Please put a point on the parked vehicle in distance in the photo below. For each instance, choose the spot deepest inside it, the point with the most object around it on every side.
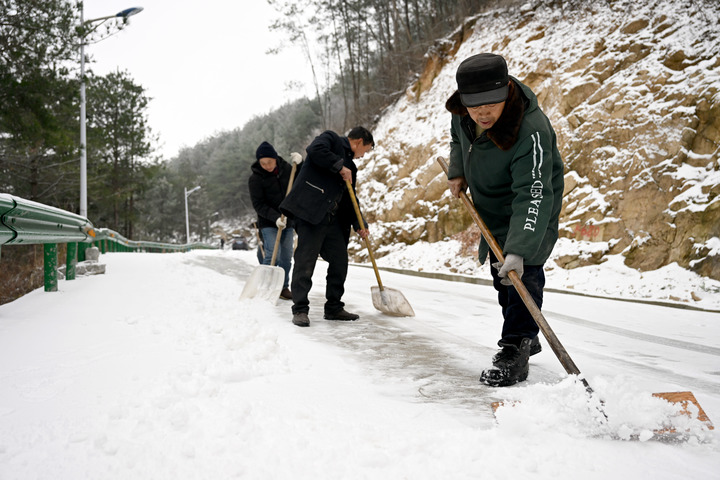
(239, 243)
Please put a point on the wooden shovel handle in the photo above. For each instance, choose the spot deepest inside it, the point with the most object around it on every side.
(532, 307)
(279, 234)
(362, 227)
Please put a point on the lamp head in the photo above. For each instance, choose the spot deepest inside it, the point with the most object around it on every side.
(129, 12)
(188, 192)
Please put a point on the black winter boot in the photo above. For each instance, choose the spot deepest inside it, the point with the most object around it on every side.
(510, 365)
(535, 348)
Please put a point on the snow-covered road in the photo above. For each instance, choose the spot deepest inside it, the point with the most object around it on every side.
(157, 370)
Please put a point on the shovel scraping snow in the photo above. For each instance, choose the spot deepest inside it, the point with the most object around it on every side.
(266, 281)
(685, 399)
(386, 300)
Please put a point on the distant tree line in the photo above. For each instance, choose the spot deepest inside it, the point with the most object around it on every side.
(221, 166)
(363, 54)
(367, 51)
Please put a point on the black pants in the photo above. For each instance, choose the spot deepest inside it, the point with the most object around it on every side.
(519, 323)
(330, 242)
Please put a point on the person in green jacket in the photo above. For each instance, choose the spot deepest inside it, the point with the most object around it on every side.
(504, 149)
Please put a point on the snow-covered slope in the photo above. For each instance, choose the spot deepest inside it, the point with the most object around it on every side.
(632, 89)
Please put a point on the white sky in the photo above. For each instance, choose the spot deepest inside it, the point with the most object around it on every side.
(203, 64)
(156, 370)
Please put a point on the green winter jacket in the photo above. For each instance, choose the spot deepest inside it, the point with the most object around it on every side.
(514, 173)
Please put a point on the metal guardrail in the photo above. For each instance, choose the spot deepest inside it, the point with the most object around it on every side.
(34, 223)
(6, 205)
(26, 222)
(110, 240)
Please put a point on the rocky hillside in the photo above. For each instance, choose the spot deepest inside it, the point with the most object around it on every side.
(633, 90)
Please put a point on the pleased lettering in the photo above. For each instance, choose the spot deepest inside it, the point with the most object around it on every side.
(536, 189)
(534, 210)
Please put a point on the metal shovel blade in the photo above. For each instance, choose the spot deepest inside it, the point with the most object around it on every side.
(265, 283)
(391, 301)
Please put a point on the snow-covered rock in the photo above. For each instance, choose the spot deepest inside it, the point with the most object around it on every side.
(633, 90)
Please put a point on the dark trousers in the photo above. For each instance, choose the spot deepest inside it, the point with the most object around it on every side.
(519, 323)
(328, 241)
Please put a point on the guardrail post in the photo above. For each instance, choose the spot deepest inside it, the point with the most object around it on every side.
(50, 266)
(72, 249)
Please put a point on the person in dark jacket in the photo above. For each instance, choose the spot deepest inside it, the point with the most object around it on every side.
(321, 207)
(268, 184)
(505, 149)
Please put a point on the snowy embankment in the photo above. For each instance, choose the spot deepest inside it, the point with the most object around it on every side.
(157, 370)
(670, 285)
(631, 118)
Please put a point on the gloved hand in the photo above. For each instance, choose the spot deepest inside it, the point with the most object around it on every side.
(281, 222)
(457, 185)
(296, 158)
(512, 262)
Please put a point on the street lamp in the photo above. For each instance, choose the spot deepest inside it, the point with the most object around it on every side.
(128, 12)
(187, 218)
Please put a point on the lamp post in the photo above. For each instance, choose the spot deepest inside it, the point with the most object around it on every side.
(128, 12)
(187, 218)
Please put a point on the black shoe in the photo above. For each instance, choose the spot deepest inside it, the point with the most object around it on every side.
(301, 319)
(510, 365)
(341, 315)
(286, 294)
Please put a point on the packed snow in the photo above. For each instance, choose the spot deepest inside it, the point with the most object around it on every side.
(157, 370)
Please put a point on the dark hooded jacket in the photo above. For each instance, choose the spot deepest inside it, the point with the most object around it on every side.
(514, 172)
(320, 188)
(267, 190)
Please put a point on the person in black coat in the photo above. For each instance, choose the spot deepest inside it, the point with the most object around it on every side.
(323, 212)
(268, 184)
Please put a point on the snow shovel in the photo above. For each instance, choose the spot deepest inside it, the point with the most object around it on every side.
(266, 281)
(682, 398)
(387, 300)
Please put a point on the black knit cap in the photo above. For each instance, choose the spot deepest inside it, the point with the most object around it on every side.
(265, 150)
(482, 80)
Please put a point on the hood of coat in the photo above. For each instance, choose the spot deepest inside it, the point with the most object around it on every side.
(281, 165)
(505, 131)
